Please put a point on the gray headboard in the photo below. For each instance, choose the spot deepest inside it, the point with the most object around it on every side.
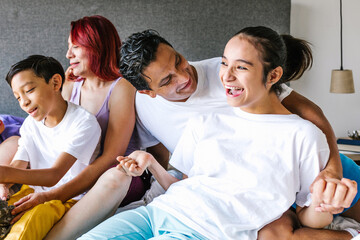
(198, 29)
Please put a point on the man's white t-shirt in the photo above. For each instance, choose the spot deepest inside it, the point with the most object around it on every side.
(245, 175)
(77, 134)
(159, 120)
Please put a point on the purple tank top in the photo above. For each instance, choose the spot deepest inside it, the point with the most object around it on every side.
(103, 115)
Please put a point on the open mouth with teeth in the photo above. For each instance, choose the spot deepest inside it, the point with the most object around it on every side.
(234, 91)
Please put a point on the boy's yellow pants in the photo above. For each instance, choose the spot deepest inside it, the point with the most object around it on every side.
(38, 221)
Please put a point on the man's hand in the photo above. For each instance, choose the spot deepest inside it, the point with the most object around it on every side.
(26, 203)
(333, 195)
(136, 163)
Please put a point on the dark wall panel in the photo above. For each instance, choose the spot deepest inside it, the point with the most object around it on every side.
(198, 29)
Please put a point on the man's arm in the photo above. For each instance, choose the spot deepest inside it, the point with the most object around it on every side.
(161, 154)
(337, 196)
(308, 110)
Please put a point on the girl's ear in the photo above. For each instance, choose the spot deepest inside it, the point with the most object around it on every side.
(274, 76)
(56, 81)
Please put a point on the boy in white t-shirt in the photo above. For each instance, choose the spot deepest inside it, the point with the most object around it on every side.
(58, 140)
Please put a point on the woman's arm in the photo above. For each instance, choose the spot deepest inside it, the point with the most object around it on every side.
(120, 127)
(67, 86)
(17, 172)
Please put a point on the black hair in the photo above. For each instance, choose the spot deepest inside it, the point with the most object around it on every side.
(43, 67)
(137, 52)
(292, 54)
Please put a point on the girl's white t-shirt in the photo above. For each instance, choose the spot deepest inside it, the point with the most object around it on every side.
(245, 175)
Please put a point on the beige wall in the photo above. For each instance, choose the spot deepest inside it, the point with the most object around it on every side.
(319, 23)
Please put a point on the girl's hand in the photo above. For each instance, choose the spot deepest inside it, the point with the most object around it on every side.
(136, 163)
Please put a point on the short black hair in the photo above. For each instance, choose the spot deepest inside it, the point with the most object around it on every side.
(137, 52)
(42, 66)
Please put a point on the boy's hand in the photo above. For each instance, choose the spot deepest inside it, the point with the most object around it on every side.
(26, 203)
(136, 163)
(333, 195)
(4, 192)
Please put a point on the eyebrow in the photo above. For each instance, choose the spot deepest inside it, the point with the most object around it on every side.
(22, 86)
(241, 60)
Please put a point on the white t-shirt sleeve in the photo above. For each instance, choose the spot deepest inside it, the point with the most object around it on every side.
(146, 139)
(84, 140)
(22, 153)
(314, 158)
(286, 91)
(183, 156)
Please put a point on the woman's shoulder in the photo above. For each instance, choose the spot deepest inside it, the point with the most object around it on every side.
(124, 86)
(123, 92)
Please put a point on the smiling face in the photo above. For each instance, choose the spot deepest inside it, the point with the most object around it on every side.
(35, 96)
(170, 75)
(79, 60)
(241, 74)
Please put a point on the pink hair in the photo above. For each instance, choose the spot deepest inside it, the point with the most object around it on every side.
(100, 38)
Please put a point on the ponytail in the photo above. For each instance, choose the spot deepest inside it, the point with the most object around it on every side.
(298, 58)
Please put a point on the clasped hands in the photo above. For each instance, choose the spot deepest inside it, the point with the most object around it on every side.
(332, 195)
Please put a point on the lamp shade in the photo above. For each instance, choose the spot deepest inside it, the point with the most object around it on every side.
(342, 81)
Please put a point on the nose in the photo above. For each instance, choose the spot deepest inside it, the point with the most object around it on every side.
(69, 53)
(24, 102)
(182, 74)
(228, 75)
